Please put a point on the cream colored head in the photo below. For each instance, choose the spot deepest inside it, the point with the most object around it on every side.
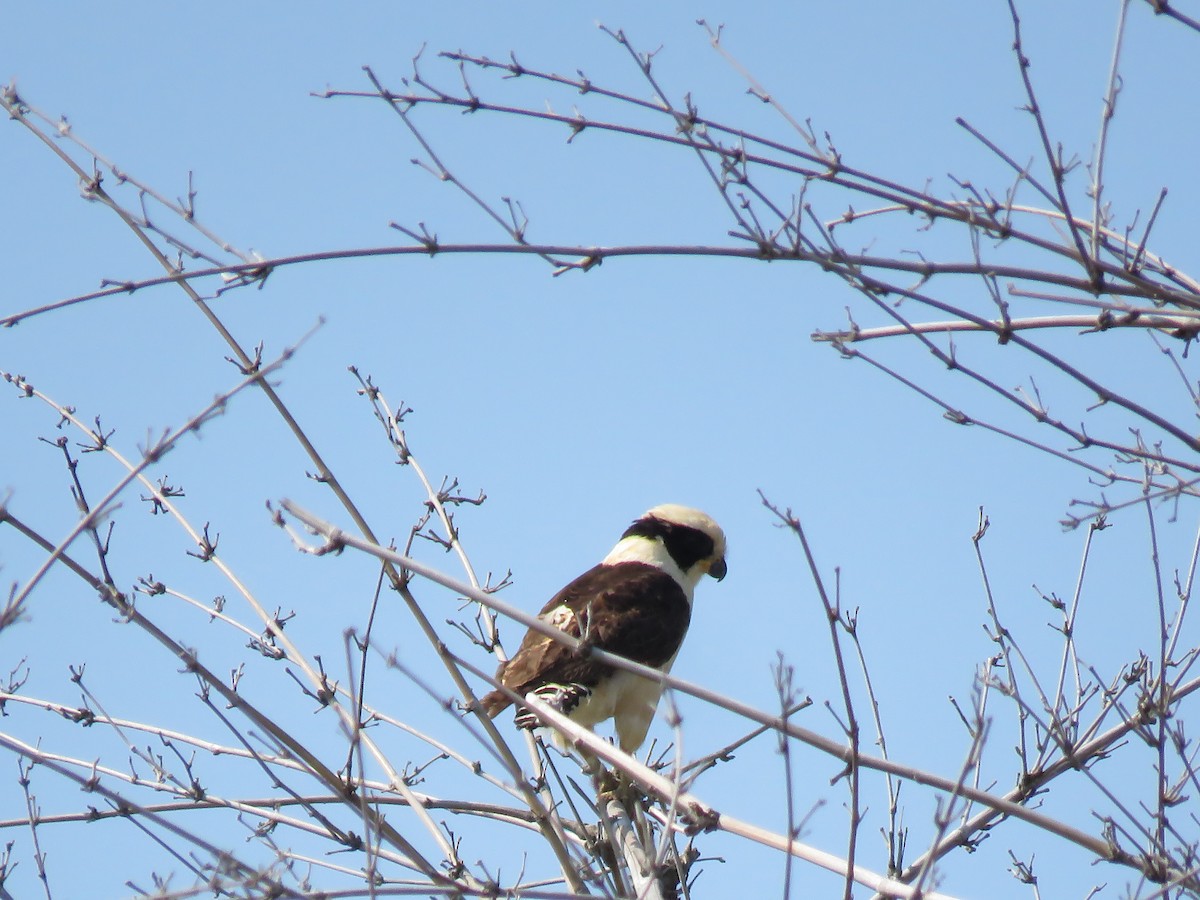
(682, 541)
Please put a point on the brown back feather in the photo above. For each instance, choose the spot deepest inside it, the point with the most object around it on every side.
(632, 609)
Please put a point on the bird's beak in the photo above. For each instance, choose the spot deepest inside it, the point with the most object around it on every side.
(718, 569)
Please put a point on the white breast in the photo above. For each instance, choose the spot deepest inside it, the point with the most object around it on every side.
(630, 700)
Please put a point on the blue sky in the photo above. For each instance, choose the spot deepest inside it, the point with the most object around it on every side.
(574, 402)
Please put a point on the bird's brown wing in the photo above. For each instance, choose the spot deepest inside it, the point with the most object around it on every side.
(631, 609)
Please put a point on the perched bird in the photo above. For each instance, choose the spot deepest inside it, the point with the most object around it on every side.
(637, 603)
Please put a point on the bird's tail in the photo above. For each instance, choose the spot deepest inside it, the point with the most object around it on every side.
(494, 703)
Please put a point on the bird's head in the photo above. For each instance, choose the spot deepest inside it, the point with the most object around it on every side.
(671, 536)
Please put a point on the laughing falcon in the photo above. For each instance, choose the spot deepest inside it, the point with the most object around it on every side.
(637, 603)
